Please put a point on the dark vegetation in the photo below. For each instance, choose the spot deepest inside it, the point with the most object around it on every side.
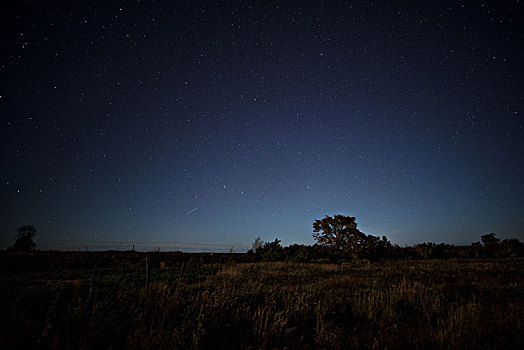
(169, 300)
(24, 238)
(350, 290)
(339, 240)
(376, 250)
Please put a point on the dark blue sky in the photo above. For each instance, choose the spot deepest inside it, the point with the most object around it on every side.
(218, 122)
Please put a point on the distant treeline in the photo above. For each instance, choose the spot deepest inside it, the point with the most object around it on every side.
(374, 249)
(338, 240)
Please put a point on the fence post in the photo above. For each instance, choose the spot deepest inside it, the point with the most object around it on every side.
(181, 274)
(198, 268)
(91, 285)
(147, 273)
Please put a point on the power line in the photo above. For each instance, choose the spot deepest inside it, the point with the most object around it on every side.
(165, 246)
(176, 243)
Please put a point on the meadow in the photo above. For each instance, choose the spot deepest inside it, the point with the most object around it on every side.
(115, 300)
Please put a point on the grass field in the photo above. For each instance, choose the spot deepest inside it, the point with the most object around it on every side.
(191, 304)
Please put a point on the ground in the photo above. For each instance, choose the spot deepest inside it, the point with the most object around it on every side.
(101, 300)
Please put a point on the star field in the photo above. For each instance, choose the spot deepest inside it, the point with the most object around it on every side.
(218, 122)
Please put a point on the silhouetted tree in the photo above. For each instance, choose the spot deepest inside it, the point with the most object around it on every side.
(490, 239)
(339, 232)
(257, 244)
(375, 248)
(270, 251)
(24, 239)
(297, 253)
(512, 248)
(491, 244)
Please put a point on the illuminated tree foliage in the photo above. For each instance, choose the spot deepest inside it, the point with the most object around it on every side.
(339, 232)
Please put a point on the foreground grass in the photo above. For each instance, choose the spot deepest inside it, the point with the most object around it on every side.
(440, 304)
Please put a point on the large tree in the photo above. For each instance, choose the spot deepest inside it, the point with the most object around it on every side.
(490, 239)
(339, 231)
(24, 238)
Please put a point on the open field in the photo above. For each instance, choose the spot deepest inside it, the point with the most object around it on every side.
(100, 300)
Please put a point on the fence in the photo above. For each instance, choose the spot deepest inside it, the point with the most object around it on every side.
(161, 246)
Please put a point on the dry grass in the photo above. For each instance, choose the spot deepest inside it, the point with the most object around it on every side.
(424, 304)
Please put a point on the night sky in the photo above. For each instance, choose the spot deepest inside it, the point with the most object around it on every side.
(218, 122)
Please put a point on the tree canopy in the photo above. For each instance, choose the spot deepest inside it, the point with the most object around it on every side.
(339, 231)
(340, 234)
(24, 238)
(490, 239)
